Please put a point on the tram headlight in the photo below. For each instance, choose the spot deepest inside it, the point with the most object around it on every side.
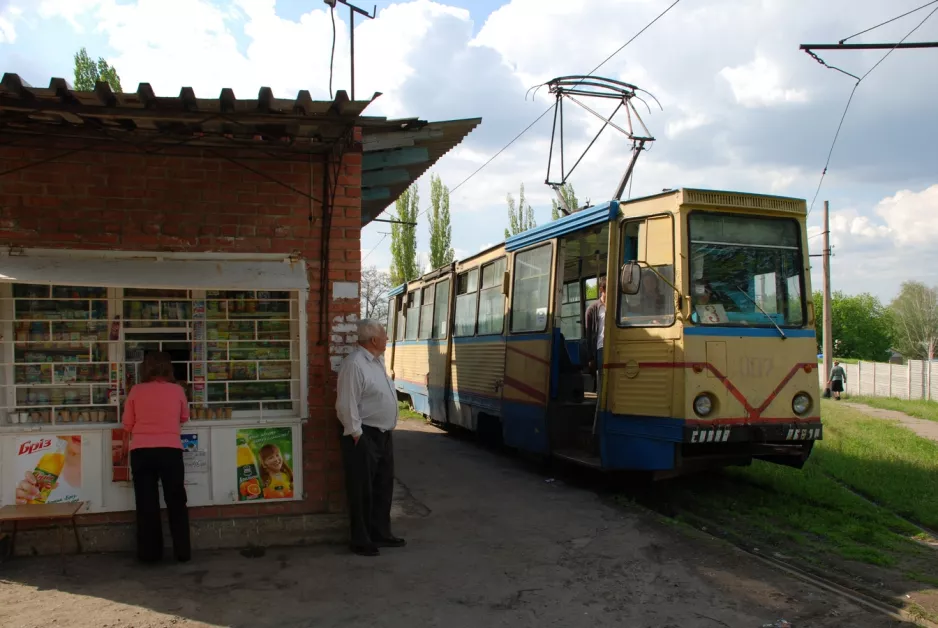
(801, 403)
(703, 404)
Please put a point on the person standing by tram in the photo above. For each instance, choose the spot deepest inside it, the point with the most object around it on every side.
(595, 326)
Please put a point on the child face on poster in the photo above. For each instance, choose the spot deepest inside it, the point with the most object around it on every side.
(273, 461)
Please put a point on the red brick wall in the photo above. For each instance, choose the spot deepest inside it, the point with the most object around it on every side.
(192, 201)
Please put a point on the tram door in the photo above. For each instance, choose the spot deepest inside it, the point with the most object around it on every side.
(528, 351)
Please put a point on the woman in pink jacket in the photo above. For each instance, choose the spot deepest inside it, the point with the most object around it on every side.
(153, 414)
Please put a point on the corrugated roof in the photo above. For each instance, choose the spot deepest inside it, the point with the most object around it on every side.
(396, 152)
(412, 150)
(299, 125)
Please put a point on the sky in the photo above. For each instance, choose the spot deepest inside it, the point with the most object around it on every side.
(741, 107)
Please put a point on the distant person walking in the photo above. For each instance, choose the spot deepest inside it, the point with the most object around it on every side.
(838, 379)
(367, 408)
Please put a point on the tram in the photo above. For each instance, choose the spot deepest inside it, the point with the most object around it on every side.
(709, 338)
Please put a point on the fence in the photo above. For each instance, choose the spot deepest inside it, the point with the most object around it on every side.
(916, 379)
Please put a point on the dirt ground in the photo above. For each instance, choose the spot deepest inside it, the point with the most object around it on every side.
(490, 543)
(922, 427)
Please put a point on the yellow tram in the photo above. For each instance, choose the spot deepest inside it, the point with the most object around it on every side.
(710, 350)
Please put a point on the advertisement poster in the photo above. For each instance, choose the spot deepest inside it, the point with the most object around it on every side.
(47, 469)
(265, 463)
(120, 455)
(194, 458)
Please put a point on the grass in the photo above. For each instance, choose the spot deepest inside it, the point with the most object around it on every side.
(883, 461)
(405, 413)
(810, 515)
(918, 408)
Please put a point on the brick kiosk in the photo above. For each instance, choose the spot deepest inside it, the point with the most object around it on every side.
(224, 231)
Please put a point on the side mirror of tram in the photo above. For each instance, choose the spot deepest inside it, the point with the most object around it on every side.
(630, 278)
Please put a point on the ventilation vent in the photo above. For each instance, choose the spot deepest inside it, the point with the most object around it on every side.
(744, 201)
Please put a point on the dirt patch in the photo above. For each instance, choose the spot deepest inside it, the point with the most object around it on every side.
(925, 429)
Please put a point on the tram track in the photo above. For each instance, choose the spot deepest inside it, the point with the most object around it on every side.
(657, 503)
(655, 500)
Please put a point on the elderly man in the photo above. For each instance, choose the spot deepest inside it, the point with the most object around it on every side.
(367, 407)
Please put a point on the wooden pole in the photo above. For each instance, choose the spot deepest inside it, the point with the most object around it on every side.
(828, 348)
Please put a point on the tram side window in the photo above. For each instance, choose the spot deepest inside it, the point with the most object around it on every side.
(650, 241)
(467, 298)
(426, 313)
(389, 323)
(413, 315)
(531, 290)
(492, 299)
(441, 312)
(401, 322)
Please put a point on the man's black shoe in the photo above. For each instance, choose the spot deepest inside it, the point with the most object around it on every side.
(392, 541)
(366, 550)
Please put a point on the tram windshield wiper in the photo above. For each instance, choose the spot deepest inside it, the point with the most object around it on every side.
(771, 320)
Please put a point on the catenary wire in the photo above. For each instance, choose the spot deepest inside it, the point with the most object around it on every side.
(546, 111)
(927, 4)
(332, 54)
(850, 100)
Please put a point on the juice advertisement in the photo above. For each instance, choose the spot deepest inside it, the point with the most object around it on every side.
(47, 469)
(265, 463)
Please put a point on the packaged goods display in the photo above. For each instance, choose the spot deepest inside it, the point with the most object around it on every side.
(77, 351)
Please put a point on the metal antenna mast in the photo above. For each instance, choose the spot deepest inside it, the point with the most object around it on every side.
(579, 87)
(352, 10)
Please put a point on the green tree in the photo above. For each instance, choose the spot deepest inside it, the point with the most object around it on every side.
(569, 196)
(88, 72)
(861, 326)
(404, 238)
(915, 316)
(520, 216)
(441, 232)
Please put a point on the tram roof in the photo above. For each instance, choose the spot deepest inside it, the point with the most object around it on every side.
(608, 211)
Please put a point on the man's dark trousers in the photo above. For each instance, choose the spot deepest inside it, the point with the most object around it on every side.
(369, 481)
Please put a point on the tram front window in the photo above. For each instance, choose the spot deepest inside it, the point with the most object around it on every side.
(745, 270)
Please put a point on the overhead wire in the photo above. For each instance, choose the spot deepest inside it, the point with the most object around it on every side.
(927, 4)
(538, 118)
(375, 247)
(850, 100)
(546, 111)
(332, 54)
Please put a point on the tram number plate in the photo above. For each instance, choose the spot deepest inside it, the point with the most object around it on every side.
(716, 435)
(805, 433)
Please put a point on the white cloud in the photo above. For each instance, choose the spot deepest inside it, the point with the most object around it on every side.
(742, 107)
(911, 216)
(8, 18)
(759, 84)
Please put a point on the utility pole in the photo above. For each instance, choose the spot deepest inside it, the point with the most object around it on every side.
(828, 348)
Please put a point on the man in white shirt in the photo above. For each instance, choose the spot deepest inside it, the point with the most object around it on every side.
(367, 407)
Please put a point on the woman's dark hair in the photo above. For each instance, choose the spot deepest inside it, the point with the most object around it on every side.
(157, 365)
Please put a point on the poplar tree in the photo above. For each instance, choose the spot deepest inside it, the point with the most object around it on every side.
(441, 233)
(520, 216)
(404, 238)
(88, 72)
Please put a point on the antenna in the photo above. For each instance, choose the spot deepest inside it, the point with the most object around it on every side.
(578, 87)
(352, 10)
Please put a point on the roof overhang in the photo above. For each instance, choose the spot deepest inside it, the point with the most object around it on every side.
(398, 152)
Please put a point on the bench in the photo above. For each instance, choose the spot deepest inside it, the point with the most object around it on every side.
(63, 513)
